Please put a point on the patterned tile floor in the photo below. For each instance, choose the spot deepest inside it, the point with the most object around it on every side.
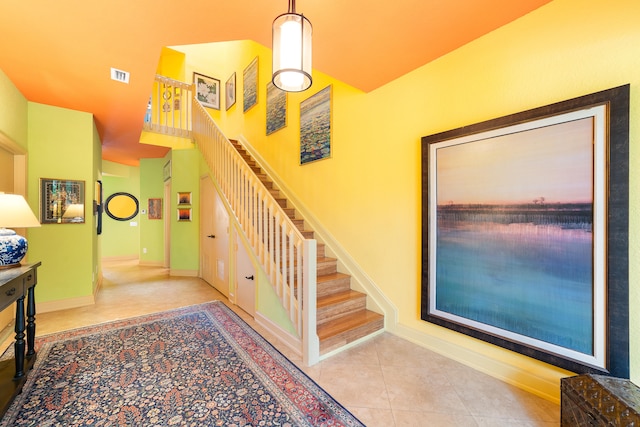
(386, 381)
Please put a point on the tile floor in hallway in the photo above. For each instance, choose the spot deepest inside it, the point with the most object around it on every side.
(385, 381)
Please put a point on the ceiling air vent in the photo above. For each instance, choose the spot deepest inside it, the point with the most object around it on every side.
(119, 75)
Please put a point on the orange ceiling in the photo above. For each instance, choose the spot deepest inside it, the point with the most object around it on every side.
(60, 53)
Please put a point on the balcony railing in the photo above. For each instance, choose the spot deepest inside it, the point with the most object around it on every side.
(169, 111)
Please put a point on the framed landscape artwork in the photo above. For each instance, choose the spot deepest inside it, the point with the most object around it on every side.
(276, 108)
(250, 85)
(315, 127)
(525, 235)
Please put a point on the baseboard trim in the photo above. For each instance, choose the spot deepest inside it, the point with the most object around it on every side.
(151, 263)
(120, 258)
(526, 376)
(287, 338)
(183, 273)
(49, 306)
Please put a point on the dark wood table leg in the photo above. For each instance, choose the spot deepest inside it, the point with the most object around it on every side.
(19, 344)
(31, 322)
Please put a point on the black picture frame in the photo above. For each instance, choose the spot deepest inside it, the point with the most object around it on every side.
(122, 206)
(615, 322)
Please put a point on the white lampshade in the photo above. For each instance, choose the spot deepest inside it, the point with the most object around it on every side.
(16, 213)
(291, 44)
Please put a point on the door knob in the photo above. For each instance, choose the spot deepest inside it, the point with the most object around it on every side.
(249, 277)
(211, 236)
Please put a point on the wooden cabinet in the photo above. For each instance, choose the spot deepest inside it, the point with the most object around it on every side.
(598, 400)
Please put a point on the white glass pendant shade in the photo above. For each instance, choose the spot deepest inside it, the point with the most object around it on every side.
(292, 34)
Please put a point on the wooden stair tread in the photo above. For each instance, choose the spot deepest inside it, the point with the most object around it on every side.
(338, 297)
(332, 276)
(347, 323)
(320, 260)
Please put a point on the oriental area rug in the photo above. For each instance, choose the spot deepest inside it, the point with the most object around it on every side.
(195, 366)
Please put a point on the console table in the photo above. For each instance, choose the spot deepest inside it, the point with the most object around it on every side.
(16, 284)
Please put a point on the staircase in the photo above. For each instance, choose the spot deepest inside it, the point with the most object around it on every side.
(342, 316)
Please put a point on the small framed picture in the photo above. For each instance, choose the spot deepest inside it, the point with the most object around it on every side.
(184, 214)
(166, 171)
(184, 198)
(155, 208)
(230, 91)
(61, 201)
(207, 90)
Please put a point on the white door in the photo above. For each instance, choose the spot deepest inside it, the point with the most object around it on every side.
(214, 238)
(245, 279)
(167, 224)
(207, 230)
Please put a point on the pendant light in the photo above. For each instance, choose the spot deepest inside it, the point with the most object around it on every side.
(292, 51)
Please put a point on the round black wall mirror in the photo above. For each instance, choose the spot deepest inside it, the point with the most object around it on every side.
(121, 206)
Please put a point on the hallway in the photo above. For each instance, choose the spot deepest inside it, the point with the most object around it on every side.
(386, 381)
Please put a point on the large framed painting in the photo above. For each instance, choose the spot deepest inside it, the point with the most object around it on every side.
(276, 108)
(525, 232)
(315, 127)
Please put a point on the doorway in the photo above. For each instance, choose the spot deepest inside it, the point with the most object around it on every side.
(245, 278)
(214, 238)
(167, 224)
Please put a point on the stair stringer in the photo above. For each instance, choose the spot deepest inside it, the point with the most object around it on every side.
(360, 280)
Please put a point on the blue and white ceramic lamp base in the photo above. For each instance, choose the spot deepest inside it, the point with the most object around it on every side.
(13, 248)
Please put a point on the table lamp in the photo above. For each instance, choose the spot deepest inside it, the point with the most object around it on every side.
(74, 213)
(14, 212)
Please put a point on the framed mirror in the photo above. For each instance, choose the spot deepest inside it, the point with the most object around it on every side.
(121, 206)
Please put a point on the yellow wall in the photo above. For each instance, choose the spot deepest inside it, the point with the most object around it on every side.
(372, 184)
(13, 112)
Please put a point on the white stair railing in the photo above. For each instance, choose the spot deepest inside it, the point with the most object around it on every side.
(288, 259)
(169, 111)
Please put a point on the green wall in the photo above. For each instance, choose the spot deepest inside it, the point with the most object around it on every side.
(185, 243)
(151, 230)
(68, 252)
(120, 238)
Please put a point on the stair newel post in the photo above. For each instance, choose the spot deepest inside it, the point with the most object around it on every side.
(310, 340)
